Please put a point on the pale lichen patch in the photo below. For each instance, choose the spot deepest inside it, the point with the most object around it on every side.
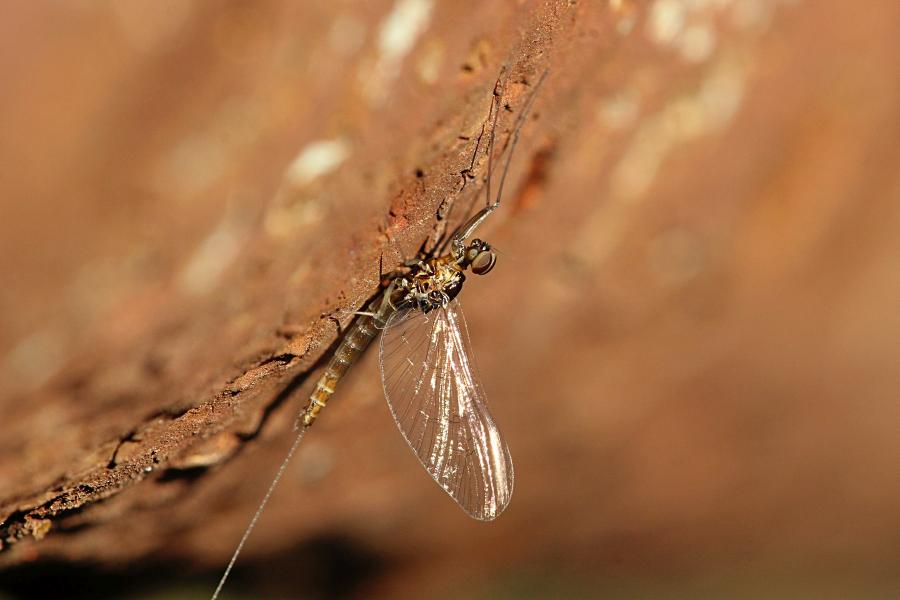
(218, 250)
(39, 527)
(396, 37)
(666, 21)
(752, 14)
(708, 109)
(315, 160)
(291, 211)
(686, 26)
(697, 42)
(283, 220)
(34, 360)
(347, 34)
(676, 257)
(199, 160)
(619, 111)
(428, 66)
(625, 14)
(208, 452)
(687, 117)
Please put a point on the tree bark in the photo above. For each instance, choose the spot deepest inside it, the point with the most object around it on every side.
(698, 252)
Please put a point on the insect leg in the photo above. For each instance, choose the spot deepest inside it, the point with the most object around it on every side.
(472, 224)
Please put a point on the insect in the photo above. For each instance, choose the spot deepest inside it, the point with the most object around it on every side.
(427, 366)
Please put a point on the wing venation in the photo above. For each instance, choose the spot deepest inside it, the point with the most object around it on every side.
(433, 390)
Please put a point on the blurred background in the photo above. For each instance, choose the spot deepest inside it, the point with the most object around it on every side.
(690, 340)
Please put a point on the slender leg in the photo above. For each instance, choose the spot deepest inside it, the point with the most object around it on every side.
(472, 224)
(494, 116)
(515, 137)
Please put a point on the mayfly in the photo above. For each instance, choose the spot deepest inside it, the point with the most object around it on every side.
(427, 366)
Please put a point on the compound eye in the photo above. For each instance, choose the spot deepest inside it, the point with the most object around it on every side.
(484, 262)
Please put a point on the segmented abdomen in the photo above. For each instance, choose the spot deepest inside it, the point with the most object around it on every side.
(355, 341)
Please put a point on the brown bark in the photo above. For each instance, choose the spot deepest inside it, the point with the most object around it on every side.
(689, 341)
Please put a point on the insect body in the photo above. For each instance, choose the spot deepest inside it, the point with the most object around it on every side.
(427, 367)
(429, 378)
(433, 284)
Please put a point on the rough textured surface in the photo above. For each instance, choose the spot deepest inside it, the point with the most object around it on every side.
(690, 340)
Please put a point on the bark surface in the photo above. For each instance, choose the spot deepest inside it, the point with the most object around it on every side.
(689, 340)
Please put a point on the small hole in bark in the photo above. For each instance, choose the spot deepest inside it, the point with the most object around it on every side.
(188, 474)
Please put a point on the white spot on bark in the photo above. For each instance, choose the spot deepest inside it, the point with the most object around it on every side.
(396, 37)
(620, 110)
(667, 19)
(214, 255)
(315, 160)
(676, 257)
(33, 361)
(697, 43)
(685, 118)
(752, 14)
(429, 64)
(627, 16)
(347, 34)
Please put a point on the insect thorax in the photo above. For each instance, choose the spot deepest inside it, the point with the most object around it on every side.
(433, 284)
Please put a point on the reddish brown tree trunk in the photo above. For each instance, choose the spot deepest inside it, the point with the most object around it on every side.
(689, 341)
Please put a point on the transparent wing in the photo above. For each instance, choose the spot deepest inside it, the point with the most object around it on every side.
(432, 388)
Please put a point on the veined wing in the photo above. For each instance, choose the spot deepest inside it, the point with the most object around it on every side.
(431, 385)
